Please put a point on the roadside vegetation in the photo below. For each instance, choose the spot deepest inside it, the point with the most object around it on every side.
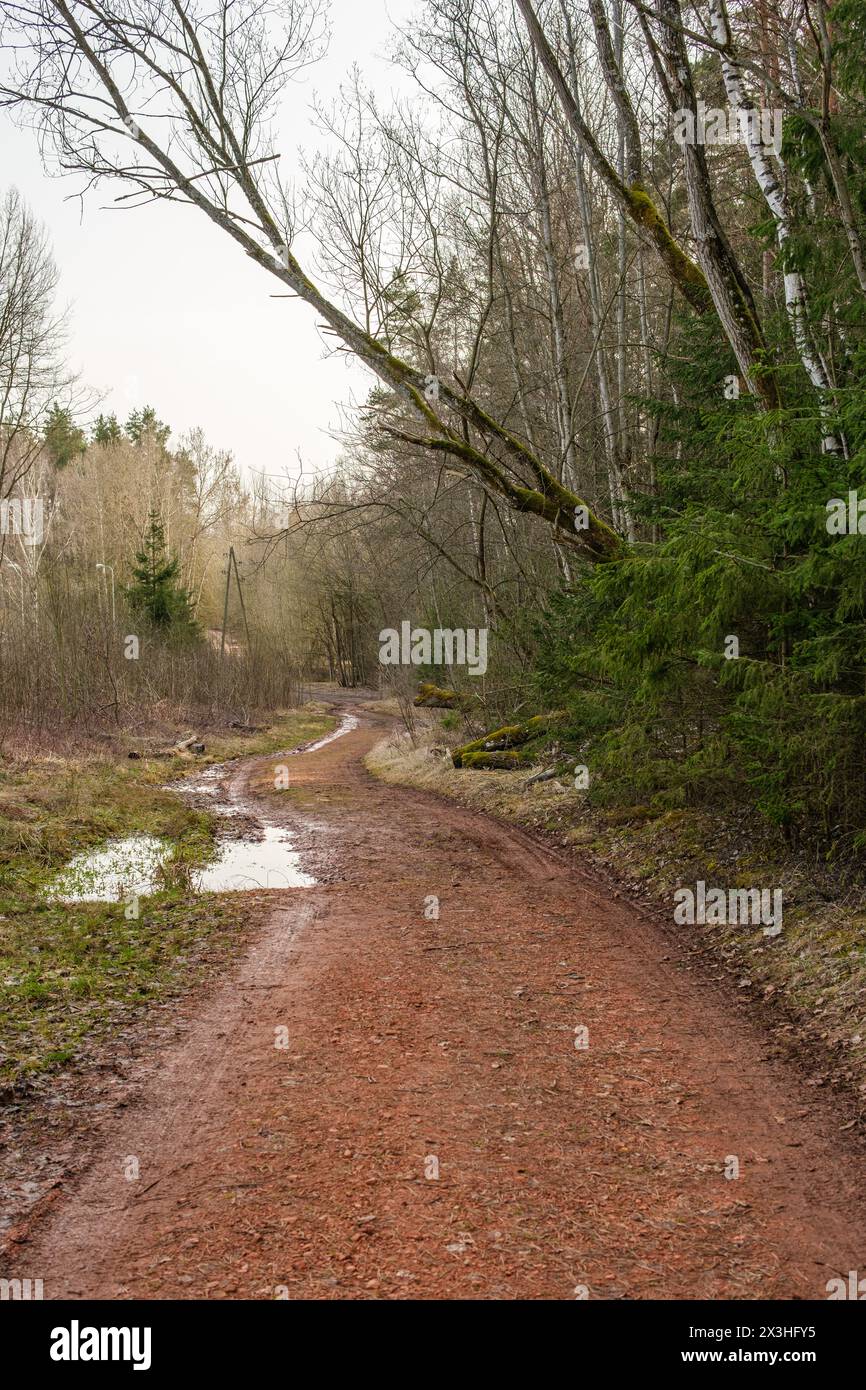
(76, 972)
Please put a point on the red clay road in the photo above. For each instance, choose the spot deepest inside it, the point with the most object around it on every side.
(418, 1046)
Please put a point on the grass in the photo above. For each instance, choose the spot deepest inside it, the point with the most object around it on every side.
(73, 973)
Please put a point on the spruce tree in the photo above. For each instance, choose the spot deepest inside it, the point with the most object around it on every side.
(144, 423)
(155, 592)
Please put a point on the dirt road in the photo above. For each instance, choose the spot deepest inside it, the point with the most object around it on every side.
(430, 1130)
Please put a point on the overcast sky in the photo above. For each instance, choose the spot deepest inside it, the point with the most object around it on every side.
(167, 311)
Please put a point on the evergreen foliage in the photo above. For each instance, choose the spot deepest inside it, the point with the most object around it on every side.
(155, 592)
(63, 439)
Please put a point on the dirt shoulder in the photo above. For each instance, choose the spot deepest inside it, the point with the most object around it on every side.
(808, 984)
(384, 1097)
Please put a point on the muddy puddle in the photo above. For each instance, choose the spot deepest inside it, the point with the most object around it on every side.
(133, 868)
(120, 870)
(251, 852)
(347, 724)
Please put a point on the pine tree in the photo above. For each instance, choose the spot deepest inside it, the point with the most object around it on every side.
(144, 422)
(106, 430)
(63, 439)
(155, 592)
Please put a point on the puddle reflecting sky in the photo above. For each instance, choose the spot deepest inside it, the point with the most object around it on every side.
(124, 869)
(347, 724)
(242, 865)
(121, 869)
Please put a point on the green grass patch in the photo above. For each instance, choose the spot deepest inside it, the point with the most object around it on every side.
(69, 973)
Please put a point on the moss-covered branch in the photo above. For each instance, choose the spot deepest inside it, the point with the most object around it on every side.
(508, 737)
(634, 201)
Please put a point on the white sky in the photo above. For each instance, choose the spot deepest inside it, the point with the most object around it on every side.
(167, 311)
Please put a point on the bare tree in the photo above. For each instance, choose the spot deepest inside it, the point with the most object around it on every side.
(176, 100)
(32, 373)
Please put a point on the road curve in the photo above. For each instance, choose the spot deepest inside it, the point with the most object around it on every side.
(430, 1128)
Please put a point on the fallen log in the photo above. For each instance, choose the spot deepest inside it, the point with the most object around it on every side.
(185, 745)
(507, 760)
(509, 736)
(434, 697)
(546, 776)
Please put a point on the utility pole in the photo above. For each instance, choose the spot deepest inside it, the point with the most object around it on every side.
(233, 564)
(241, 597)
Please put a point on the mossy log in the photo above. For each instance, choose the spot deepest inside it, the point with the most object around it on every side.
(507, 760)
(509, 736)
(434, 697)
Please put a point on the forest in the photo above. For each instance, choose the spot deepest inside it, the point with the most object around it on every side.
(575, 314)
(589, 552)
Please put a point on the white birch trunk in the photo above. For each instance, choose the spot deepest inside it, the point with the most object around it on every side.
(776, 198)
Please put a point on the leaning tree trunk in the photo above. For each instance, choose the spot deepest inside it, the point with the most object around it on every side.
(729, 288)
